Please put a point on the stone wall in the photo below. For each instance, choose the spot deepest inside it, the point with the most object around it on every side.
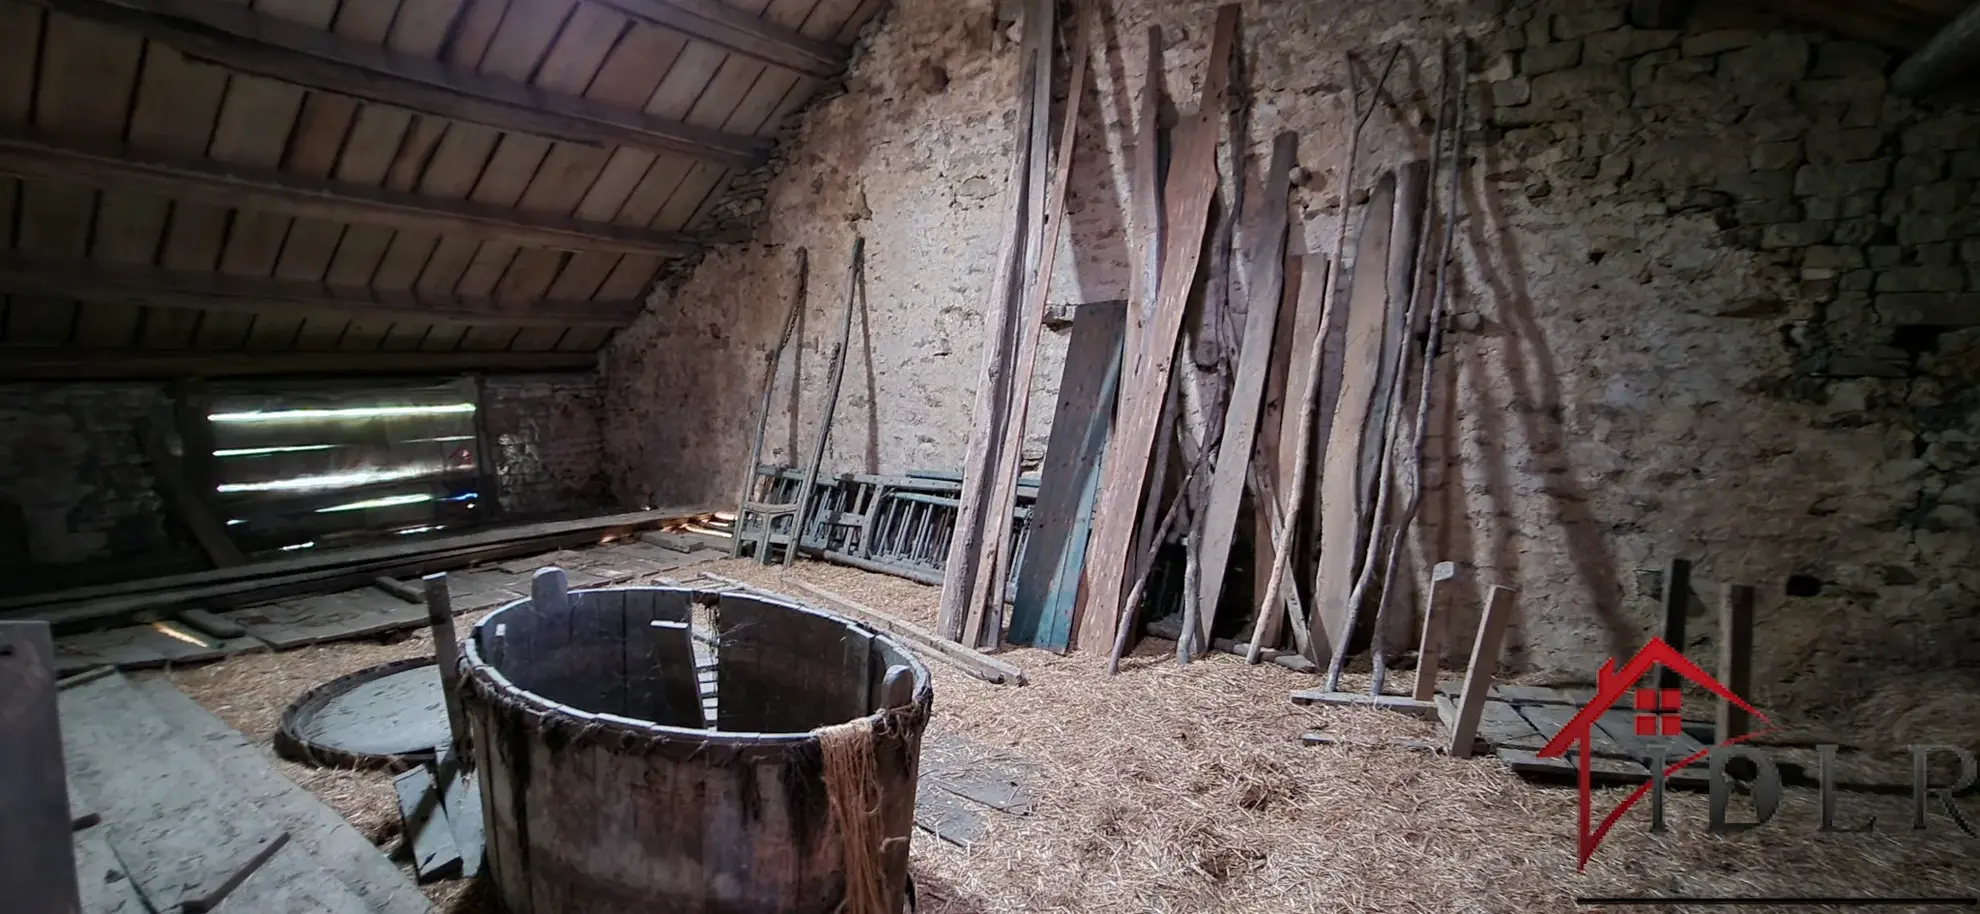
(548, 443)
(1718, 297)
(74, 484)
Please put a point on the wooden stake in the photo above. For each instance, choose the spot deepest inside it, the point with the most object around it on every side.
(1735, 660)
(447, 656)
(1430, 651)
(1677, 605)
(1484, 663)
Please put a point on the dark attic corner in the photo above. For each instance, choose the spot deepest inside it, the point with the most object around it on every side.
(989, 456)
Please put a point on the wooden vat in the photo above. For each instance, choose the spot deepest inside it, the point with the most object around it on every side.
(603, 788)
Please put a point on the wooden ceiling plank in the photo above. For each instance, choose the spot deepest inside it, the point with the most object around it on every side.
(581, 277)
(170, 328)
(422, 26)
(55, 218)
(734, 28)
(498, 95)
(256, 120)
(583, 339)
(529, 276)
(327, 119)
(316, 14)
(630, 279)
(635, 67)
(222, 330)
(830, 17)
(485, 269)
(266, 189)
(695, 189)
(177, 107)
(20, 45)
(849, 33)
(151, 287)
(367, 159)
(442, 337)
(580, 50)
(502, 181)
(685, 80)
(483, 338)
(475, 28)
(30, 363)
(448, 263)
(319, 334)
(369, 21)
(364, 336)
(404, 336)
(536, 339)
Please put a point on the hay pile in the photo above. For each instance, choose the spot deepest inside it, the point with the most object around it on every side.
(1169, 789)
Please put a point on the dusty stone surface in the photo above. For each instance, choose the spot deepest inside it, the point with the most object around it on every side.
(74, 485)
(548, 443)
(1716, 291)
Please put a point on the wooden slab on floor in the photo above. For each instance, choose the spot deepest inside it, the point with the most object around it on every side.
(1552, 719)
(330, 617)
(105, 884)
(423, 820)
(251, 777)
(1400, 703)
(1499, 724)
(948, 817)
(461, 801)
(1601, 769)
(975, 772)
(139, 647)
(157, 796)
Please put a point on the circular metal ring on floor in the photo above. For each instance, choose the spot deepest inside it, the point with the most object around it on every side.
(389, 716)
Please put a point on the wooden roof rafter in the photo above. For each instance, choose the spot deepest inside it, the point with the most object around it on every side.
(734, 30)
(117, 167)
(42, 363)
(232, 36)
(163, 288)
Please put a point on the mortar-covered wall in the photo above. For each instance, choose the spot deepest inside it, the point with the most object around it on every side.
(545, 431)
(74, 483)
(1718, 297)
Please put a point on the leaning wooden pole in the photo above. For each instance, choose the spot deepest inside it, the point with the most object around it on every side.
(1431, 348)
(1392, 410)
(997, 539)
(959, 573)
(774, 362)
(839, 358)
(1316, 357)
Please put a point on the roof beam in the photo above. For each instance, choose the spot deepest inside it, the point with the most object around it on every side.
(37, 363)
(1951, 52)
(1889, 25)
(158, 288)
(120, 167)
(739, 32)
(231, 35)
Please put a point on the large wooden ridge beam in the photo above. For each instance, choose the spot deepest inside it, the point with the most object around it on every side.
(159, 288)
(230, 35)
(734, 30)
(118, 167)
(43, 363)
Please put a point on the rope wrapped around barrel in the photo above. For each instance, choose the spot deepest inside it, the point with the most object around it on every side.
(852, 788)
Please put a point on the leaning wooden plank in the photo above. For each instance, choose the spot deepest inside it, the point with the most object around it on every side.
(1192, 182)
(153, 287)
(1484, 663)
(248, 187)
(1048, 220)
(251, 775)
(351, 557)
(461, 802)
(158, 796)
(239, 39)
(37, 861)
(1234, 452)
(1341, 506)
(170, 476)
(927, 643)
(1430, 650)
(960, 588)
(1041, 615)
(1735, 660)
(423, 820)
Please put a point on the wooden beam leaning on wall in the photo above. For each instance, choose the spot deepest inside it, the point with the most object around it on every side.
(44, 363)
(739, 32)
(1192, 180)
(230, 35)
(108, 165)
(160, 288)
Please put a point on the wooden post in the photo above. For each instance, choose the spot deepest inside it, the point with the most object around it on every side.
(447, 656)
(1677, 602)
(37, 858)
(839, 357)
(1429, 654)
(1735, 660)
(1484, 663)
(169, 474)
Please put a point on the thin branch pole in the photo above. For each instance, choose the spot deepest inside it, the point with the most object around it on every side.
(775, 361)
(839, 358)
(1392, 424)
(1316, 356)
(1434, 344)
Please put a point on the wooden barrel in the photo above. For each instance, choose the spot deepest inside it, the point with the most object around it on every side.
(604, 789)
